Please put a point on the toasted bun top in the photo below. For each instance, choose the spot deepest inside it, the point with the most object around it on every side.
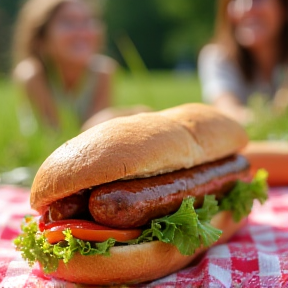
(136, 146)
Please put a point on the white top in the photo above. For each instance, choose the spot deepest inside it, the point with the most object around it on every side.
(218, 75)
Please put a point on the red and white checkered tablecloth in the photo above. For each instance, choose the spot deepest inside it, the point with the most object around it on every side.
(256, 257)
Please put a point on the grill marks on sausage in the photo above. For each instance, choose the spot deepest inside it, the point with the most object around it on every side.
(133, 203)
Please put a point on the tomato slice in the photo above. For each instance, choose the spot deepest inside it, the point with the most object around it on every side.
(88, 231)
(72, 223)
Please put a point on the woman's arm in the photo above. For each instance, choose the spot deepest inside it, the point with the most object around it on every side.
(229, 105)
(29, 73)
(103, 93)
(102, 98)
(222, 83)
(272, 156)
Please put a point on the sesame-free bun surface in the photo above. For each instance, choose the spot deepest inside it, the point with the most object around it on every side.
(138, 263)
(136, 146)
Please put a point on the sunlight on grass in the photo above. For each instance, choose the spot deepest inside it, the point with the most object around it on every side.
(267, 123)
(22, 141)
(158, 89)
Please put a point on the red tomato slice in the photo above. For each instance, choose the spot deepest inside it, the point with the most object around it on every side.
(72, 223)
(54, 236)
(88, 231)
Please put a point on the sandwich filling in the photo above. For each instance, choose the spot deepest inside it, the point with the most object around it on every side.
(135, 202)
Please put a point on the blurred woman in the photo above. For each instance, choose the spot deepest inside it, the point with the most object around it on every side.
(57, 45)
(248, 55)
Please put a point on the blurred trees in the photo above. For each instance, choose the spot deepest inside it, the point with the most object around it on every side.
(166, 33)
(193, 23)
(8, 13)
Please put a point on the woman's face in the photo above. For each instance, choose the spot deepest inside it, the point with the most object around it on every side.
(72, 35)
(256, 22)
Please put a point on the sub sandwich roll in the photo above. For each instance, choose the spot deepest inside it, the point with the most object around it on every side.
(149, 185)
(137, 146)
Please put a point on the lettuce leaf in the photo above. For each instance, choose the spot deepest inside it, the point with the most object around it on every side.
(35, 247)
(207, 233)
(240, 199)
(187, 229)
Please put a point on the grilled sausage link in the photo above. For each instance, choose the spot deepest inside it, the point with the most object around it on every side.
(133, 203)
(74, 206)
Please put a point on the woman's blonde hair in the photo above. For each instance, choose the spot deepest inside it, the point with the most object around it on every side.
(31, 26)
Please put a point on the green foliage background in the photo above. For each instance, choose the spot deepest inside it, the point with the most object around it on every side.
(165, 32)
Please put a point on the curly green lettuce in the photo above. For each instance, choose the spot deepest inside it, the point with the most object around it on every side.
(240, 199)
(34, 246)
(187, 229)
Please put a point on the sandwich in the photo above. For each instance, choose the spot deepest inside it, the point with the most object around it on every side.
(137, 198)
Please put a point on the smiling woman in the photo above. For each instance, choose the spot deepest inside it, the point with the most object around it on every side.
(56, 51)
(248, 55)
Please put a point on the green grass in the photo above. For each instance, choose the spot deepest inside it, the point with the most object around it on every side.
(23, 143)
(158, 89)
(267, 125)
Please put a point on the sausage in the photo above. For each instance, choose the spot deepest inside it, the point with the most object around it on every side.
(133, 203)
(74, 206)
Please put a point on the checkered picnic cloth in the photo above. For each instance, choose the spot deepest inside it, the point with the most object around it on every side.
(256, 257)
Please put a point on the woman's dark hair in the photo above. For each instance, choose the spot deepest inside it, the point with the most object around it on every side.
(224, 34)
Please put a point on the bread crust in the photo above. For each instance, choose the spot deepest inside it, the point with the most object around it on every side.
(136, 146)
(138, 263)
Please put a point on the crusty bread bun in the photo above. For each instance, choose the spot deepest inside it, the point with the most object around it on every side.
(138, 263)
(136, 146)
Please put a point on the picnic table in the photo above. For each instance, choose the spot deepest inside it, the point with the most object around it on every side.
(257, 256)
